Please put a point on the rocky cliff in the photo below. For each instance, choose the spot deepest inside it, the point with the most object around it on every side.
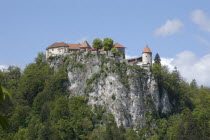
(128, 92)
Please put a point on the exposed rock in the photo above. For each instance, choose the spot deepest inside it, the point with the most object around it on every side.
(128, 92)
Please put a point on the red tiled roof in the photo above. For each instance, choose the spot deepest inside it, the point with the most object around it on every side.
(70, 46)
(117, 45)
(79, 46)
(74, 46)
(58, 44)
(147, 50)
(85, 45)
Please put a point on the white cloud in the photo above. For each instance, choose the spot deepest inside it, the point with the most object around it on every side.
(191, 66)
(167, 62)
(169, 28)
(203, 40)
(2, 67)
(129, 56)
(201, 18)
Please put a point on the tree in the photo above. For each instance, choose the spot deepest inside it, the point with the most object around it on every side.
(188, 128)
(11, 77)
(14, 72)
(176, 77)
(40, 58)
(156, 71)
(18, 117)
(114, 51)
(3, 120)
(97, 43)
(157, 59)
(131, 134)
(193, 84)
(32, 80)
(108, 44)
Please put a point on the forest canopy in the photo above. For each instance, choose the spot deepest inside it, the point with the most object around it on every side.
(40, 108)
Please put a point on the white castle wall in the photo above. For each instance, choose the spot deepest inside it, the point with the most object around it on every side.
(54, 51)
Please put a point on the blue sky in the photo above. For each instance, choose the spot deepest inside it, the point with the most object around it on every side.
(168, 27)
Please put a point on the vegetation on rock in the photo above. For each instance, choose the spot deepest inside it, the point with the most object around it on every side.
(115, 51)
(41, 107)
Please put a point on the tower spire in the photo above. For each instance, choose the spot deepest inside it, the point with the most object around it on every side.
(147, 50)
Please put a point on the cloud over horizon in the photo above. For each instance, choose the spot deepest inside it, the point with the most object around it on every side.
(200, 18)
(2, 67)
(191, 66)
(169, 28)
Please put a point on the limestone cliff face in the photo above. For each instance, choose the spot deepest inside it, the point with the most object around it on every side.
(128, 92)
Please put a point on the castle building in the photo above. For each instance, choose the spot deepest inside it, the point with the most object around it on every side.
(145, 61)
(62, 48)
(65, 48)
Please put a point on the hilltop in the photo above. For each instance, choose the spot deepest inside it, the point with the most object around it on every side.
(102, 96)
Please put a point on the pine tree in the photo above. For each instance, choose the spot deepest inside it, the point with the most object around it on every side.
(157, 59)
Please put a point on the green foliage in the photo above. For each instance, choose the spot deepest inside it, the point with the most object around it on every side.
(3, 94)
(32, 81)
(90, 81)
(40, 58)
(41, 107)
(113, 97)
(188, 128)
(131, 134)
(3, 122)
(76, 65)
(120, 69)
(173, 83)
(193, 84)
(114, 50)
(97, 43)
(94, 76)
(18, 117)
(53, 57)
(21, 134)
(10, 77)
(157, 59)
(108, 44)
(189, 118)
(89, 55)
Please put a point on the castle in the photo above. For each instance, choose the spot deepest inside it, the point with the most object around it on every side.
(145, 61)
(65, 48)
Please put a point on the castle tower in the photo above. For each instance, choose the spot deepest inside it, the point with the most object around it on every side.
(147, 56)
